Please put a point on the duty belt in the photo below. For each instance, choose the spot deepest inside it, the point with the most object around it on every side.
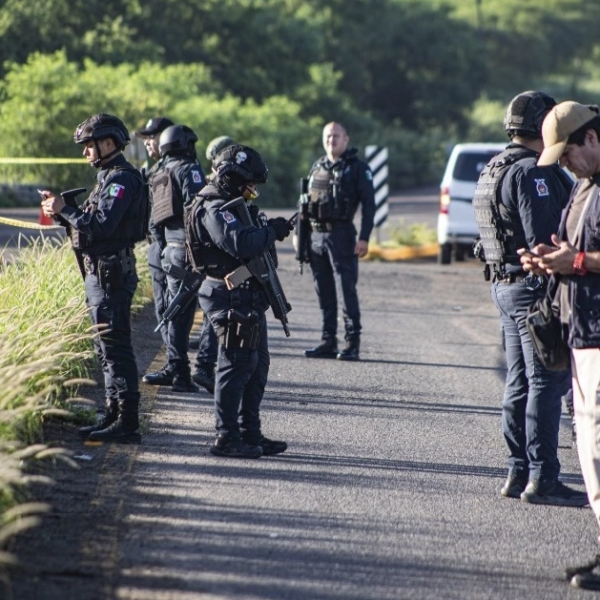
(176, 244)
(511, 278)
(126, 256)
(326, 226)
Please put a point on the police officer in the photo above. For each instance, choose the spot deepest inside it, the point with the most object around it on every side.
(103, 232)
(518, 205)
(150, 135)
(338, 183)
(206, 358)
(221, 244)
(177, 180)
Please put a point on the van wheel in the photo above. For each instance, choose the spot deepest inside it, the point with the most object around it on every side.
(445, 254)
(459, 253)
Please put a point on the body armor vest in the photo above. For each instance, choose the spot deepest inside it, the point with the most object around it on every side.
(202, 252)
(500, 228)
(327, 202)
(164, 205)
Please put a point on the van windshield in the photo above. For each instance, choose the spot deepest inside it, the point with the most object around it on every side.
(470, 164)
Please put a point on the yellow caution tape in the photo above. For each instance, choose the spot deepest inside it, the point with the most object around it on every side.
(27, 224)
(42, 161)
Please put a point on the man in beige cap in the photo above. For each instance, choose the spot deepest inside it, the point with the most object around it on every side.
(571, 134)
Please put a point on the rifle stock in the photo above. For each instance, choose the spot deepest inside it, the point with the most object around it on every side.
(263, 268)
(190, 283)
(303, 228)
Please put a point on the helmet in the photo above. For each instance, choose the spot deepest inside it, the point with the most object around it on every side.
(525, 113)
(240, 165)
(102, 126)
(216, 145)
(177, 139)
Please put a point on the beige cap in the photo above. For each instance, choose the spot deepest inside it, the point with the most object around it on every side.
(563, 120)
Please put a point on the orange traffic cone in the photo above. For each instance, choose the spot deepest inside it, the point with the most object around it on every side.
(44, 220)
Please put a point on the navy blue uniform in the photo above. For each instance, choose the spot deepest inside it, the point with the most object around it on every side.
(187, 179)
(333, 239)
(104, 231)
(242, 372)
(532, 199)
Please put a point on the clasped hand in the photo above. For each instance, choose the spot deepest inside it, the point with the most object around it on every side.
(549, 260)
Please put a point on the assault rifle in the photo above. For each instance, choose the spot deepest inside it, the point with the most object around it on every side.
(188, 289)
(303, 228)
(263, 268)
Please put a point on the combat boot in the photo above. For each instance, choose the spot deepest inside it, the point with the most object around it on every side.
(231, 446)
(161, 377)
(110, 416)
(351, 351)
(327, 349)
(205, 377)
(125, 430)
(182, 382)
(269, 447)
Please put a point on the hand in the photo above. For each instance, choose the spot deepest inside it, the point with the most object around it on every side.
(51, 203)
(361, 249)
(281, 226)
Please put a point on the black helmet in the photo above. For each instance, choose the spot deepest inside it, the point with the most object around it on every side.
(98, 127)
(240, 165)
(177, 139)
(526, 112)
(216, 145)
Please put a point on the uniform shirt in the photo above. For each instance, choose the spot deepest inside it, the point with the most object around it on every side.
(188, 179)
(109, 227)
(536, 196)
(357, 185)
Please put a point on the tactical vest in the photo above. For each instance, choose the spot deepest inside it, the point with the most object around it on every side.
(202, 252)
(134, 226)
(327, 201)
(500, 228)
(164, 204)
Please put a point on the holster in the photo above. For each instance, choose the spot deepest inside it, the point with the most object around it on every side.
(110, 273)
(241, 331)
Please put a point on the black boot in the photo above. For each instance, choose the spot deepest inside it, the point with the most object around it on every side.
(351, 351)
(109, 417)
(125, 430)
(182, 382)
(161, 377)
(328, 349)
(232, 446)
(269, 447)
(205, 377)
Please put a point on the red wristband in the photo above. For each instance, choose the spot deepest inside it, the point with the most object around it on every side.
(578, 267)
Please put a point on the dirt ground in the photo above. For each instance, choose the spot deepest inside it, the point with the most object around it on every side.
(58, 559)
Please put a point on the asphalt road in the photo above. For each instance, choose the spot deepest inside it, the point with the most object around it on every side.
(390, 487)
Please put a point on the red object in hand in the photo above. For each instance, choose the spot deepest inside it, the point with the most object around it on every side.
(578, 267)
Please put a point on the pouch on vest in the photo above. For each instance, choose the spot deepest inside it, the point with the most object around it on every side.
(163, 198)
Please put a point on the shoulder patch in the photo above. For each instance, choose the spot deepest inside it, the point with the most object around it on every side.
(229, 218)
(196, 176)
(369, 175)
(116, 190)
(541, 187)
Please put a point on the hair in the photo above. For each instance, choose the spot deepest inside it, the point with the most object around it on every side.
(578, 136)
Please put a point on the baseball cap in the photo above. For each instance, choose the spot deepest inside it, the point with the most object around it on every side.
(563, 120)
(154, 126)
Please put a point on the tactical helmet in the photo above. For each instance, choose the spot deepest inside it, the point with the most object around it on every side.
(177, 139)
(216, 145)
(526, 112)
(240, 165)
(98, 127)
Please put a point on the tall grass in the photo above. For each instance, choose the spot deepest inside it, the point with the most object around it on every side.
(46, 354)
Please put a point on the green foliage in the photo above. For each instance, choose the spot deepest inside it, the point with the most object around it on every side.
(416, 234)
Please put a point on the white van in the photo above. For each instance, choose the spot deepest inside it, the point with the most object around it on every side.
(457, 229)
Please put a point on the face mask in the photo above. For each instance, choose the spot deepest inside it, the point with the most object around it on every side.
(249, 194)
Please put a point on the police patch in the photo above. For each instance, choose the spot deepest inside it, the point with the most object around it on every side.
(541, 187)
(116, 190)
(196, 177)
(229, 218)
(369, 175)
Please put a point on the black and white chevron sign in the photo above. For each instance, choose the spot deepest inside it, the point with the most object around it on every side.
(377, 158)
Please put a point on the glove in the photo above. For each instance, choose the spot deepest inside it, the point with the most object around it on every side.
(281, 226)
